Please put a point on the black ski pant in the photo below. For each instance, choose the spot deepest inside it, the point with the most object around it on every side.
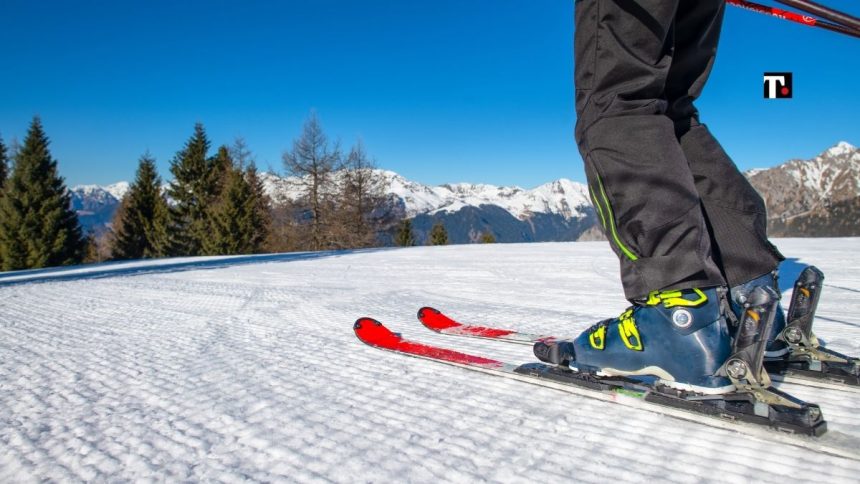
(673, 205)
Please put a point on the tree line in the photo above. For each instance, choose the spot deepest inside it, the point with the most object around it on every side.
(215, 205)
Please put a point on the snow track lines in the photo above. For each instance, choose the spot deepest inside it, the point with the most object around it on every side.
(252, 372)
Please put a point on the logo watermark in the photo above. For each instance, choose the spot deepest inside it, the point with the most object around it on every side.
(778, 85)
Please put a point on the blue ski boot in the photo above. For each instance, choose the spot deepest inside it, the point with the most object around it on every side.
(681, 337)
(776, 347)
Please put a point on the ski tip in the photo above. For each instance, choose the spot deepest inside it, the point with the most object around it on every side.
(435, 320)
(426, 311)
(375, 333)
(360, 323)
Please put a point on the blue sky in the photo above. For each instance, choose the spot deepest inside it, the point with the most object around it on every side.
(441, 91)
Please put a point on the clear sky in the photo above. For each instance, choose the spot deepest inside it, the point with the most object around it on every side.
(440, 91)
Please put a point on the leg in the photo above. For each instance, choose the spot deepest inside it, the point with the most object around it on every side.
(639, 178)
(735, 212)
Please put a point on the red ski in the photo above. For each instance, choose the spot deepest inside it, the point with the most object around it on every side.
(375, 334)
(738, 412)
(434, 319)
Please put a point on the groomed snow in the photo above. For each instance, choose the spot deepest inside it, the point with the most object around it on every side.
(236, 369)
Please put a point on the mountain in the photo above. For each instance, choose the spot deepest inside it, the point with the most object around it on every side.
(95, 205)
(819, 197)
(555, 211)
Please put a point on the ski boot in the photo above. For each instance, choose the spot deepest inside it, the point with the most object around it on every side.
(793, 349)
(680, 337)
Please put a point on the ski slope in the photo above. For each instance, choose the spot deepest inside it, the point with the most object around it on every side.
(246, 368)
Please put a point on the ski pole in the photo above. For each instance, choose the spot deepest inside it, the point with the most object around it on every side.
(835, 16)
(794, 17)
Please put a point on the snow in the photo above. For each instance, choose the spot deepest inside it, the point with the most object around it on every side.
(246, 368)
(841, 148)
(834, 175)
(562, 196)
(116, 190)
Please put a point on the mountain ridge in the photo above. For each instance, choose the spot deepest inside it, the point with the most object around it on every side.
(818, 196)
(814, 197)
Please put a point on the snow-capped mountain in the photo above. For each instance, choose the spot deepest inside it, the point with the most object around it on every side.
(816, 197)
(559, 210)
(116, 190)
(556, 211)
(562, 197)
(96, 205)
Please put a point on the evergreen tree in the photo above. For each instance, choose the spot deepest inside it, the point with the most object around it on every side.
(260, 222)
(140, 224)
(38, 228)
(4, 173)
(4, 166)
(312, 161)
(219, 170)
(438, 234)
(191, 191)
(405, 237)
(219, 167)
(488, 238)
(231, 230)
(261, 215)
(240, 216)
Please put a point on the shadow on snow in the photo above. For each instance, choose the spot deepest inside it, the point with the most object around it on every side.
(160, 266)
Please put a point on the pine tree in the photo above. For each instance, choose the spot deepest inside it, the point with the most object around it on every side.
(219, 166)
(261, 216)
(488, 238)
(4, 173)
(219, 170)
(191, 191)
(141, 222)
(405, 237)
(37, 226)
(4, 166)
(438, 234)
(231, 230)
(260, 222)
(313, 160)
